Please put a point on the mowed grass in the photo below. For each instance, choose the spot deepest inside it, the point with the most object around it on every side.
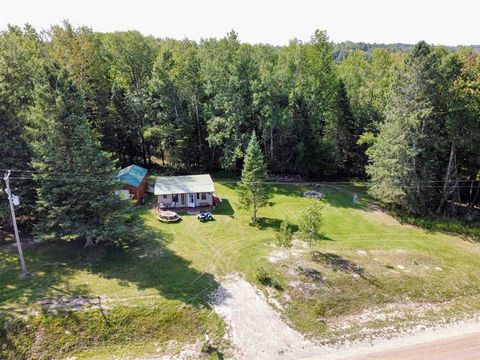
(160, 286)
(232, 244)
(437, 267)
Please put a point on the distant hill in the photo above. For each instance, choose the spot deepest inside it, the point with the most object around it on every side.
(342, 49)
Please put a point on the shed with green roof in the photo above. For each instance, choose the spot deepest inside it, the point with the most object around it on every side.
(134, 180)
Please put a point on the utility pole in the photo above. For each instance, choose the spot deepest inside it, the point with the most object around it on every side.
(25, 274)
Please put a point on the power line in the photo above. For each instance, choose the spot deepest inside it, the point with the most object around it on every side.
(102, 175)
(110, 179)
(65, 179)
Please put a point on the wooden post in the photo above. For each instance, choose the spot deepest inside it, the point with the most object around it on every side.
(25, 274)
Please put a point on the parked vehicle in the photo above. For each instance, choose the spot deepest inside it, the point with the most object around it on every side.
(205, 216)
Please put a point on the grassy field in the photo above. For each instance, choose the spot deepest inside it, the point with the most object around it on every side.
(160, 286)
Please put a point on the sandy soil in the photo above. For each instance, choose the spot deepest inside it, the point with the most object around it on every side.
(257, 331)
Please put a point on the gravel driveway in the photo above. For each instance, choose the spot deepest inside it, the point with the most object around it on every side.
(256, 329)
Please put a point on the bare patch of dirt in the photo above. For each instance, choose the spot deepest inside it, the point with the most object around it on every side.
(277, 256)
(272, 298)
(389, 312)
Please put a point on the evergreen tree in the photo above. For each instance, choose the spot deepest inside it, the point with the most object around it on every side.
(341, 133)
(75, 179)
(404, 161)
(252, 190)
(19, 67)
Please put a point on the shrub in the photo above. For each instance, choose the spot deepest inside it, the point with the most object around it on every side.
(284, 235)
(267, 279)
(311, 222)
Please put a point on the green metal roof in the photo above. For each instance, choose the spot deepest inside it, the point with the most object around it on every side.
(132, 175)
(183, 184)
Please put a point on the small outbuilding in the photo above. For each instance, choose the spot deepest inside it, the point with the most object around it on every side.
(188, 191)
(134, 180)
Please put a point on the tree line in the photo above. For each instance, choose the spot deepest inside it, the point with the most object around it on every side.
(75, 101)
(341, 50)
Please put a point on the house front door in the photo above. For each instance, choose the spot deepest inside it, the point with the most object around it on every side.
(191, 200)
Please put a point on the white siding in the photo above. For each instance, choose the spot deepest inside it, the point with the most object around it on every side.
(198, 202)
(208, 200)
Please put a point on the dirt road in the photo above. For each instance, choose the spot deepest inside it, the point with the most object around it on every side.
(463, 347)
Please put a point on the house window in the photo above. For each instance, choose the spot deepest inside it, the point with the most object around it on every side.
(198, 196)
(204, 196)
(165, 196)
(175, 197)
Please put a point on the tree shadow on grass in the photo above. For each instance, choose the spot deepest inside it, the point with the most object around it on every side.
(50, 265)
(224, 208)
(265, 223)
(269, 223)
(146, 262)
(150, 264)
(338, 263)
(62, 286)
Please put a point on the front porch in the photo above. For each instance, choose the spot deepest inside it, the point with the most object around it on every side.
(183, 206)
(187, 210)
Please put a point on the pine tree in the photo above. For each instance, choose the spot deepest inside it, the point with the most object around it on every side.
(19, 63)
(252, 190)
(340, 133)
(75, 179)
(404, 160)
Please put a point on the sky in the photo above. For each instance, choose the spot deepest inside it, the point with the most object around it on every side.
(262, 21)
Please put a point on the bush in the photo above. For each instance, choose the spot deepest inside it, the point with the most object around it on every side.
(267, 279)
(311, 222)
(284, 235)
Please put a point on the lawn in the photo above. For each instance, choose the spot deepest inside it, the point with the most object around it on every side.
(397, 264)
(154, 294)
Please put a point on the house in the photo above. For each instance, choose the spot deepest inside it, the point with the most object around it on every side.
(189, 191)
(134, 180)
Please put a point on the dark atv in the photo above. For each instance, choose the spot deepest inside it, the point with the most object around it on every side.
(205, 216)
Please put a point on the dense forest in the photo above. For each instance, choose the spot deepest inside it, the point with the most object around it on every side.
(77, 103)
(341, 50)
